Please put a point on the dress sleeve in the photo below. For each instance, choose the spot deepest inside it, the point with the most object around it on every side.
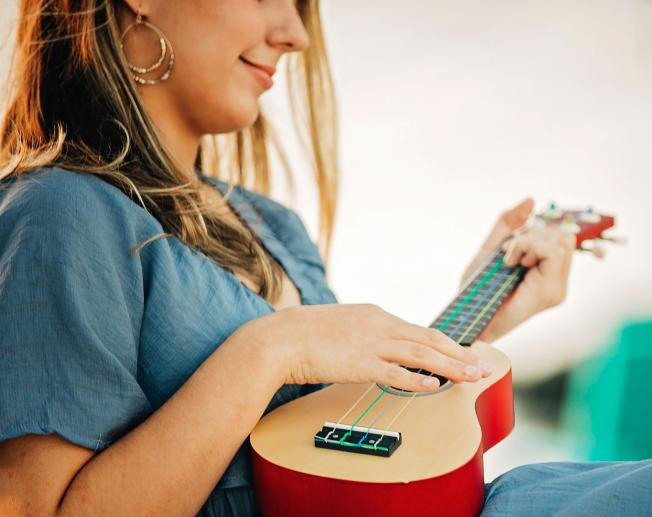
(70, 313)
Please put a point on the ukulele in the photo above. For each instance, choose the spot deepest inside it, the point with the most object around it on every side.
(376, 450)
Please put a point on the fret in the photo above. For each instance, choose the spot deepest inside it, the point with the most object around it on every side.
(464, 319)
(460, 319)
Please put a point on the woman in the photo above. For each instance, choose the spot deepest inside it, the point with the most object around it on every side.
(151, 312)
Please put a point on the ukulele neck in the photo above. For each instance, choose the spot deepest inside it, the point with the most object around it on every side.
(469, 313)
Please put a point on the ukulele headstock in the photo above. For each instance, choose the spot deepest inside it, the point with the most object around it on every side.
(587, 225)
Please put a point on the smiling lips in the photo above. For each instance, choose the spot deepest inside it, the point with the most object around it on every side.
(262, 73)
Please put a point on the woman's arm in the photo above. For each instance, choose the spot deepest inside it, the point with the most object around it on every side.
(168, 465)
(547, 252)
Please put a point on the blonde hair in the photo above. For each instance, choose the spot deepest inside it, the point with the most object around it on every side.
(67, 55)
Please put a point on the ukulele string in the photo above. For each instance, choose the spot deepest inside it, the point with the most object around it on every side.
(468, 297)
(478, 303)
(349, 410)
(507, 283)
(488, 278)
(348, 433)
(387, 407)
(473, 292)
(504, 286)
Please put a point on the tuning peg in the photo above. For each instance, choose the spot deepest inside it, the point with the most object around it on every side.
(589, 216)
(614, 239)
(569, 225)
(552, 212)
(595, 249)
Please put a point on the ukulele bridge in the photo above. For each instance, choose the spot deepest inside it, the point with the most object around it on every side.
(363, 440)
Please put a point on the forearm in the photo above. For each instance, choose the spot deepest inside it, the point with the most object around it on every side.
(169, 464)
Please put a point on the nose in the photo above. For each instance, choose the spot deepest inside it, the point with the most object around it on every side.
(288, 32)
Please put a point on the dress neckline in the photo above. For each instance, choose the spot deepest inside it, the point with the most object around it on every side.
(248, 212)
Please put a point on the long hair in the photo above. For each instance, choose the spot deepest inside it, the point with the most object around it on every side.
(67, 55)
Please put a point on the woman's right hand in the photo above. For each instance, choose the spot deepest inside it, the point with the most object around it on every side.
(361, 343)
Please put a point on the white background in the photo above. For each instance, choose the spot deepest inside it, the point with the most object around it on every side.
(453, 110)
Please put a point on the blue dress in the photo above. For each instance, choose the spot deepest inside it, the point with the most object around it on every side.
(93, 339)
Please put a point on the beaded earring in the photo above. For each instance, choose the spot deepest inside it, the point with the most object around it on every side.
(165, 45)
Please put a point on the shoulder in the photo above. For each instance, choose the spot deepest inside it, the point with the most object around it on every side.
(68, 194)
(71, 309)
(76, 206)
(73, 226)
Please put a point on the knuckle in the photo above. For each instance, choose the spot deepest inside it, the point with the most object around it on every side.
(516, 240)
(379, 312)
(449, 367)
(394, 373)
(469, 357)
(418, 352)
(438, 339)
(371, 307)
(374, 313)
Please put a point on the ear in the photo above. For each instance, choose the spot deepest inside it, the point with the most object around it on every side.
(136, 6)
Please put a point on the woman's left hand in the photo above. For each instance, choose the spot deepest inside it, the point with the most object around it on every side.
(547, 251)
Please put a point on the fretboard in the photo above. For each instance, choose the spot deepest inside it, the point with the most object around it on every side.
(469, 313)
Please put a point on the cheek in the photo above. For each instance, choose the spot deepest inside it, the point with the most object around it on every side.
(218, 95)
(213, 89)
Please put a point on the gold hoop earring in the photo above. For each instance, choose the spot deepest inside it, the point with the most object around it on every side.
(165, 45)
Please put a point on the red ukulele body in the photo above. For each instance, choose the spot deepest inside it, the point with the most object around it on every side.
(284, 492)
(405, 454)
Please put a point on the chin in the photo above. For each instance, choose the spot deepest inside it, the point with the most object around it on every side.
(234, 119)
(249, 118)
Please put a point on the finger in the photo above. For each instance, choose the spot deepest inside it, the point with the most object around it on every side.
(395, 376)
(518, 215)
(435, 339)
(530, 259)
(537, 244)
(516, 249)
(509, 221)
(416, 355)
(546, 248)
(530, 251)
(568, 240)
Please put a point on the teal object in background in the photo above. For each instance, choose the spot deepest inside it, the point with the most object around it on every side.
(608, 404)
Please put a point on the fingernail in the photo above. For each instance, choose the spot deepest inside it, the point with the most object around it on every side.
(485, 367)
(470, 370)
(430, 382)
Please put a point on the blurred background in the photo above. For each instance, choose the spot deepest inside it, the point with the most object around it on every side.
(453, 110)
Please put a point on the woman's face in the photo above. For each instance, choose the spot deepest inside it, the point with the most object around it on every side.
(211, 89)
